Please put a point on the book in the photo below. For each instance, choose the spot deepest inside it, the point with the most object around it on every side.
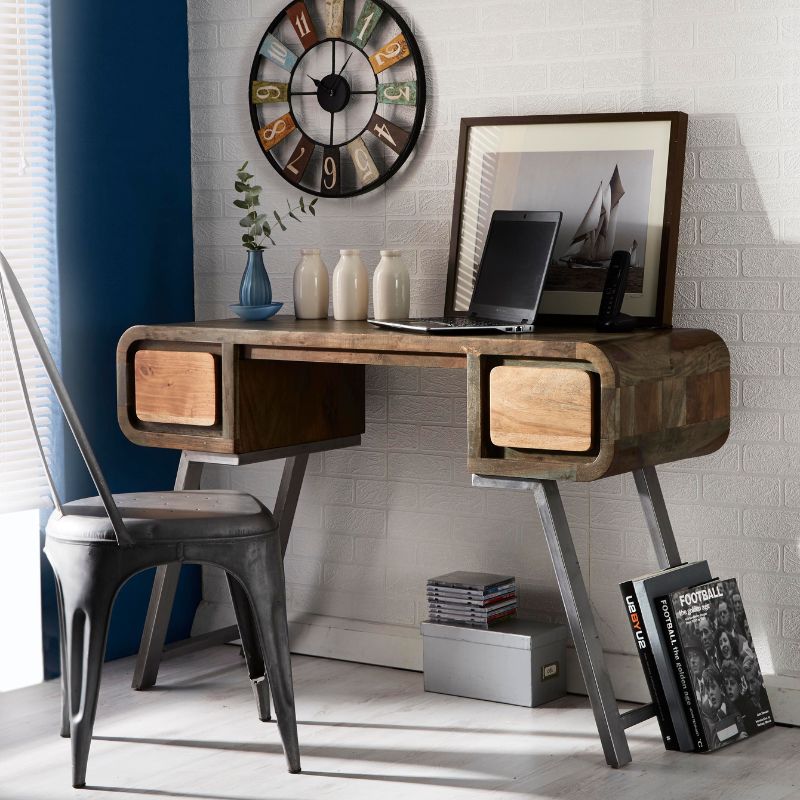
(645, 651)
(472, 612)
(722, 666)
(471, 602)
(648, 588)
(448, 619)
(680, 670)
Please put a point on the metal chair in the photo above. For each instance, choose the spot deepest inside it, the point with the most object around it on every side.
(96, 544)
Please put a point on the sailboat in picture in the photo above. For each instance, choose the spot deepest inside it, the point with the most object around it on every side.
(593, 242)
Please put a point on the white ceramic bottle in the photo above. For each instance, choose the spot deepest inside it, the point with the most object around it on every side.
(350, 286)
(391, 287)
(311, 286)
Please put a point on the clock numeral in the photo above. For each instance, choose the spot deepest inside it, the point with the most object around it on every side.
(268, 92)
(278, 53)
(298, 161)
(332, 14)
(365, 24)
(302, 24)
(330, 184)
(366, 171)
(389, 133)
(403, 93)
(276, 131)
(392, 52)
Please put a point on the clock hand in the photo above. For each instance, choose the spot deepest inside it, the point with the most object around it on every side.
(316, 82)
(345, 64)
(332, 118)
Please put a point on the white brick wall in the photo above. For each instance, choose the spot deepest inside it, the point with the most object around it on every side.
(373, 523)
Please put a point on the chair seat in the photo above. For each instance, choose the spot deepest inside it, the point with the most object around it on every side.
(165, 517)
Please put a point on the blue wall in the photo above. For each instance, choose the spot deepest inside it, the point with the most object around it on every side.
(124, 232)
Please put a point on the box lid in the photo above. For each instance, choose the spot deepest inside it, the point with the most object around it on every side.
(520, 634)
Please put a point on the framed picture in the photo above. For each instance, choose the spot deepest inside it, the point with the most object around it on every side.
(617, 180)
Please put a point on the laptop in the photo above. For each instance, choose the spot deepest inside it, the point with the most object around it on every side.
(510, 278)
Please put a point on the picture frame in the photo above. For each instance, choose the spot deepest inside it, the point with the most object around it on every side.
(617, 178)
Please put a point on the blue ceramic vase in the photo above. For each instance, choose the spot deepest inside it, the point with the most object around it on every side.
(255, 289)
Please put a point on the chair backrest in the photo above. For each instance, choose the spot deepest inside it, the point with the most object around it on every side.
(7, 278)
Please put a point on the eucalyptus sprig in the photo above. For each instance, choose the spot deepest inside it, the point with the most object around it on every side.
(259, 229)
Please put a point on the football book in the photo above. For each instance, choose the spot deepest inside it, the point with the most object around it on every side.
(645, 651)
(648, 589)
(714, 643)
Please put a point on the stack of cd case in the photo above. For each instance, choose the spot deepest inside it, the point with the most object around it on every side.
(479, 599)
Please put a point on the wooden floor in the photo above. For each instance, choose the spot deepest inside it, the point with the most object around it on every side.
(365, 732)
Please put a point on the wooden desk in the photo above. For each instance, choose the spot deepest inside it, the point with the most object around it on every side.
(552, 405)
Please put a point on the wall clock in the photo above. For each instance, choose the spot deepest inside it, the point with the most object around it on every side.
(337, 95)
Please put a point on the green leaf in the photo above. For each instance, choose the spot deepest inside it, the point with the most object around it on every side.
(291, 214)
(241, 204)
(254, 201)
(271, 239)
(312, 210)
(244, 176)
(247, 238)
(313, 202)
(243, 166)
(302, 205)
(246, 222)
(253, 217)
(254, 190)
(288, 204)
(261, 219)
(277, 216)
(240, 187)
(266, 227)
(256, 230)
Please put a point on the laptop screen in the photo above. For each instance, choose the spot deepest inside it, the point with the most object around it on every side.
(514, 264)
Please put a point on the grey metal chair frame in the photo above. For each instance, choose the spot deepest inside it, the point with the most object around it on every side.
(90, 572)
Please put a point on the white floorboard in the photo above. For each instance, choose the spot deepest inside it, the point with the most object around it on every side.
(365, 732)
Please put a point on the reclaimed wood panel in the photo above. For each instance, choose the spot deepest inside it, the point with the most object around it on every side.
(174, 387)
(540, 408)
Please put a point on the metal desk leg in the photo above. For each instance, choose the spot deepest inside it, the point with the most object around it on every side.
(151, 650)
(655, 512)
(163, 594)
(610, 725)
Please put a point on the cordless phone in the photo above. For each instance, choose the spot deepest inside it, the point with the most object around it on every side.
(609, 317)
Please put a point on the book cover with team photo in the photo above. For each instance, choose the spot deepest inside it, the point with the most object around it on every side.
(721, 662)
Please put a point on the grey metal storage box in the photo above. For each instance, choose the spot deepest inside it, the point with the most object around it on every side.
(519, 662)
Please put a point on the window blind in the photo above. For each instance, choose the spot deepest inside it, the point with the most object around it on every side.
(27, 225)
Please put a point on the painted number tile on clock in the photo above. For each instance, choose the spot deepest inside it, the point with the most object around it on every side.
(403, 93)
(365, 24)
(332, 16)
(330, 184)
(366, 171)
(278, 53)
(389, 133)
(298, 161)
(268, 92)
(392, 52)
(302, 24)
(275, 131)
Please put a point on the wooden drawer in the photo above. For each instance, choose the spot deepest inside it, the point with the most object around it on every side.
(176, 387)
(541, 408)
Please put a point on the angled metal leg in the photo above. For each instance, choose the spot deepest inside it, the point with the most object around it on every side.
(294, 471)
(162, 596)
(655, 512)
(610, 725)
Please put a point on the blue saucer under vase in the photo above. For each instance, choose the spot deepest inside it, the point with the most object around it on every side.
(256, 312)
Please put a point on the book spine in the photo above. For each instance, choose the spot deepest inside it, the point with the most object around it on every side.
(680, 669)
(649, 666)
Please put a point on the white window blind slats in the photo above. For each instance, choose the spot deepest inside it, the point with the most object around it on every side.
(27, 224)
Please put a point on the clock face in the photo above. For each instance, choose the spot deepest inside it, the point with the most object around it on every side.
(337, 95)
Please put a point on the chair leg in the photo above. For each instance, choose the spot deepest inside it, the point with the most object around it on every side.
(62, 649)
(254, 658)
(265, 583)
(87, 610)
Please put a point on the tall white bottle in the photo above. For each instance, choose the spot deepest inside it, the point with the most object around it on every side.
(311, 286)
(350, 286)
(391, 292)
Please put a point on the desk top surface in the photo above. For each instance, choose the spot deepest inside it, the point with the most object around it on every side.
(360, 336)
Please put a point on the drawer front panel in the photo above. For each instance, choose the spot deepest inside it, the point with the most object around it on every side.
(541, 408)
(180, 388)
